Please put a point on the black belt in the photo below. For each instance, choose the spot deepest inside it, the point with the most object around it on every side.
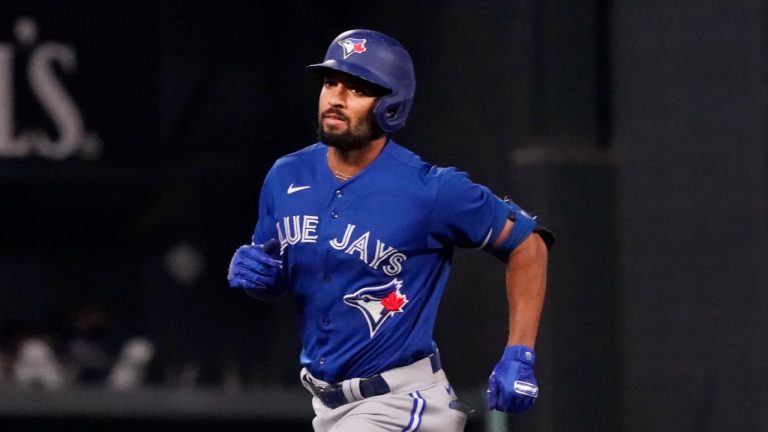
(332, 395)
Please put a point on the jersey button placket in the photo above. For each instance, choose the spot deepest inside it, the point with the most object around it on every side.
(334, 214)
(337, 194)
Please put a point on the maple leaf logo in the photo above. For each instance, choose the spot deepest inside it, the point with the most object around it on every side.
(353, 46)
(358, 48)
(378, 303)
(393, 302)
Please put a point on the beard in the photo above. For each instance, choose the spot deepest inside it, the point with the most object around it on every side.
(355, 137)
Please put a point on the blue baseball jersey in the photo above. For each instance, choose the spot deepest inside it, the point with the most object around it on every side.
(367, 259)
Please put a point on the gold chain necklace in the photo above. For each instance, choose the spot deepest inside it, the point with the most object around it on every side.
(339, 175)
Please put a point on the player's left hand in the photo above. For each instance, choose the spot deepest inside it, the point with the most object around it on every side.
(512, 386)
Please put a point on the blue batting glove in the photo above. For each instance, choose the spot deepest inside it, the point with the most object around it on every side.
(512, 386)
(255, 266)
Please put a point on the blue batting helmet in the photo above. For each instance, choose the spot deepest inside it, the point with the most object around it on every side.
(378, 59)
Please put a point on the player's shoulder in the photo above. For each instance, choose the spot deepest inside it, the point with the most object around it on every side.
(286, 167)
(447, 180)
(302, 156)
(409, 160)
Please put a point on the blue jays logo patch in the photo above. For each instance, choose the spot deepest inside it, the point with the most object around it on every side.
(378, 303)
(353, 46)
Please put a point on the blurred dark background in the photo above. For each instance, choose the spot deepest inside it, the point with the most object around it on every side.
(134, 137)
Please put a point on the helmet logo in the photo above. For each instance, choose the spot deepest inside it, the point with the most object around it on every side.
(352, 46)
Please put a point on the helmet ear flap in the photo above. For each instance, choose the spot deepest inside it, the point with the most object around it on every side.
(391, 115)
(392, 111)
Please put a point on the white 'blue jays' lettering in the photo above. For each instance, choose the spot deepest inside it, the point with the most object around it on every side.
(359, 247)
(303, 229)
(297, 229)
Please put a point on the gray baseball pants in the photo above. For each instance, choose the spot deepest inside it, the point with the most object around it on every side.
(419, 400)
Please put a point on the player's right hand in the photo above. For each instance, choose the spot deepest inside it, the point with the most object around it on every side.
(255, 266)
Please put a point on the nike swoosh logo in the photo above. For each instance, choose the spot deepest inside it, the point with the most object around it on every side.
(292, 188)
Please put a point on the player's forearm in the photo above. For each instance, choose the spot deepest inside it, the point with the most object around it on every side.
(526, 285)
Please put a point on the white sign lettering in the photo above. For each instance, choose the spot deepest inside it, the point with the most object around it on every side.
(71, 136)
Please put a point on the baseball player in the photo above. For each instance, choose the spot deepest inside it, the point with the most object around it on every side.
(360, 231)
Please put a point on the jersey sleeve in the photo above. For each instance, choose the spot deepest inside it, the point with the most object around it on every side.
(469, 215)
(266, 227)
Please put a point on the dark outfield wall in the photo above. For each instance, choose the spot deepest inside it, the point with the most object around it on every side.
(690, 125)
